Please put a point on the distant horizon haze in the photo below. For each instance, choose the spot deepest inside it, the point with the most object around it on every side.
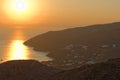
(59, 12)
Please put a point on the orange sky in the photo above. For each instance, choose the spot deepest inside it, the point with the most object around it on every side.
(68, 12)
(33, 12)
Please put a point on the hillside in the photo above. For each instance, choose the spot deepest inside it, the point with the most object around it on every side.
(109, 70)
(71, 48)
(33, 70)
(25, 70)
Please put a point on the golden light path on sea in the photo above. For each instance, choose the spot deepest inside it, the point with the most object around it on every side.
(17, 50)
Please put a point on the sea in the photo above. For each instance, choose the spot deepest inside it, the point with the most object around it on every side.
(12, 39)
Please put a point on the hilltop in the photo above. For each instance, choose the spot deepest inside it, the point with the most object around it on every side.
(25, 70)
(109, 70)
(33, 70)
(74, 47)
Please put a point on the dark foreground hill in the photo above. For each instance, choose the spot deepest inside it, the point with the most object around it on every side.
(25, 70)
(109, 70)
(71, 48)
(33, 70)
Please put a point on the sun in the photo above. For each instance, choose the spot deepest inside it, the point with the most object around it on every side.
(21, 11)
(20, 5)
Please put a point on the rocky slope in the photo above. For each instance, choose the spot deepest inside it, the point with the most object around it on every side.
(33, 70)
(71, 48)
(25, 70)
(109, 70)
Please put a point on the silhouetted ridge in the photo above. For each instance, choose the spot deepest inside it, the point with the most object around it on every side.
(25, 70)
(52, 39)
(78, 46)
(33, 70)
(100, 71)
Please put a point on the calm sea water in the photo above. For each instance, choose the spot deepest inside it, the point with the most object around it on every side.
(11, 44)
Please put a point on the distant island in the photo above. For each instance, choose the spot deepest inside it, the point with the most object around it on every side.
(74, 47)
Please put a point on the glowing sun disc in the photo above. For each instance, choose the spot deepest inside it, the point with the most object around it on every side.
(21, 11)
(20, 5)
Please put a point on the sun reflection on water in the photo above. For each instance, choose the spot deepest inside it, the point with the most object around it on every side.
(17, 50)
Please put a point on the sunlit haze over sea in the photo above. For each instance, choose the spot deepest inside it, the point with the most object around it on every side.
(12, 47)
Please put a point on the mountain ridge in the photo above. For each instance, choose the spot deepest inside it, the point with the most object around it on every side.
(108, 70)
(79, 46)
(25, 70)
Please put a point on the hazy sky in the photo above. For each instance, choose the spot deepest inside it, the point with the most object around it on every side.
(78, 12)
